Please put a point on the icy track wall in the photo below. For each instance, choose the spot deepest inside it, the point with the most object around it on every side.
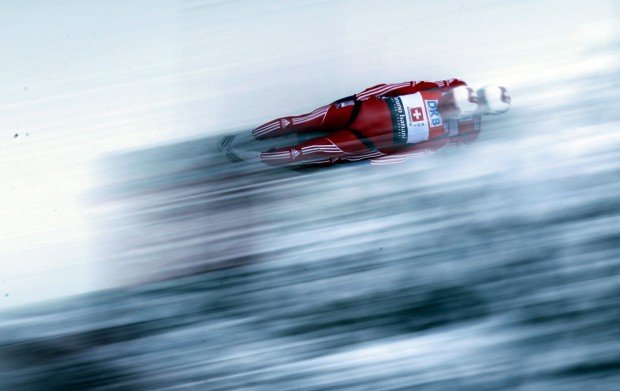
(487, 267)
(492, 266)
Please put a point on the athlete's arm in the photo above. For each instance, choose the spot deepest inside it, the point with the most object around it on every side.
(468, 132)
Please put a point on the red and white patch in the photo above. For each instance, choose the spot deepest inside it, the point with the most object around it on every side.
(417, 114)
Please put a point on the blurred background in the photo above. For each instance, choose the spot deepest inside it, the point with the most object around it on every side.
(134, 256)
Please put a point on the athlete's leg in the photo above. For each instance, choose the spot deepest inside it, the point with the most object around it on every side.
(327, 118)
(342, 144)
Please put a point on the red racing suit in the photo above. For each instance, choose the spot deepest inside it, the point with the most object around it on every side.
(387, 123)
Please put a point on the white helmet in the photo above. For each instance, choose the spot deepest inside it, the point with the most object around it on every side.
(494, 99)
(465, 99)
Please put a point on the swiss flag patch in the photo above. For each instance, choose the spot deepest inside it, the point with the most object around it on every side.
(416, 114)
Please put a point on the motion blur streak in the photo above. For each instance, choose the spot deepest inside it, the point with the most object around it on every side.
(491, 266)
